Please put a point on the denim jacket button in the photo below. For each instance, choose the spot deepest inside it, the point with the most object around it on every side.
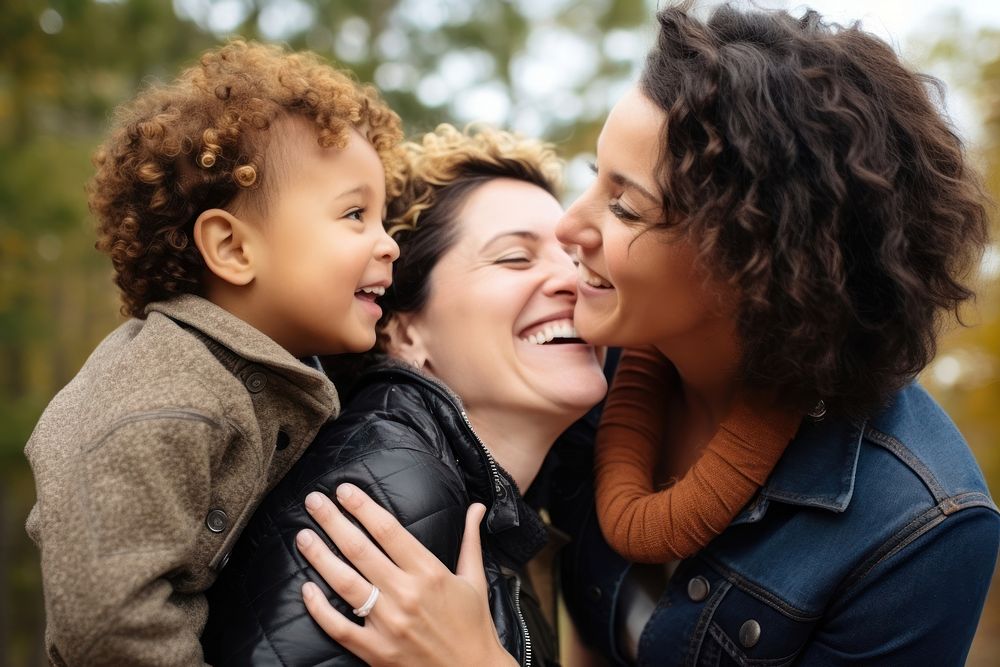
(698, 589)
(750, 633)
(594, 593)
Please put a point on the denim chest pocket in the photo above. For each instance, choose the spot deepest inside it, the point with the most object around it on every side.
(739, 628)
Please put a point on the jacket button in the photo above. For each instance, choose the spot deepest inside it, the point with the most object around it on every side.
(698, 589)
(750, 633)
(217, 520)
(255, 382)
(282, 441)
(594, 593)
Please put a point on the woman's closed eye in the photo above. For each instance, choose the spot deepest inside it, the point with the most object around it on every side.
(621, 212)
(514, 259)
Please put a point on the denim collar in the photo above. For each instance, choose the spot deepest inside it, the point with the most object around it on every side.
(817, 469)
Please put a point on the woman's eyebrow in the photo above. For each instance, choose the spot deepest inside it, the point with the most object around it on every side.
(524, 234)
(625, 182)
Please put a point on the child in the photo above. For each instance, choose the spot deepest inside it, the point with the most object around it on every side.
(242, 210)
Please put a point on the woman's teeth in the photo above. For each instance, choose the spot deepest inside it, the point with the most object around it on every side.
(377, 291)
(593, 279)
(552, 332)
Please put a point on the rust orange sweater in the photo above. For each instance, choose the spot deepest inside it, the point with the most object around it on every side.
(649, 526)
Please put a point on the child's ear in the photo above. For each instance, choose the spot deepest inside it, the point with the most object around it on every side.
(405, 340)
(226, 243)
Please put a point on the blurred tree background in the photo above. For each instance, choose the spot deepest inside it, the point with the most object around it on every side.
(549, 68)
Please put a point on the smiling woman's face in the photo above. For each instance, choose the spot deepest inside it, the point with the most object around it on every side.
(638, 286)
(497, 328)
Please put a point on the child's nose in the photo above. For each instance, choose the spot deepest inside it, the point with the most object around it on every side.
(387, 249)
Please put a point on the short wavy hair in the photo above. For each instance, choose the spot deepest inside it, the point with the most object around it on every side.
(208, 140)
(817, 176)
(441, 170)
(439, 173)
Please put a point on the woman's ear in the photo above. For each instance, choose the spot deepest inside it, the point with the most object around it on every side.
(405, 340)
(226, 243)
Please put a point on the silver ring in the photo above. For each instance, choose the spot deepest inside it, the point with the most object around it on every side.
(366, 608)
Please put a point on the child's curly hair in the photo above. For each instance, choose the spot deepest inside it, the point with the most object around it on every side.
(202, 142)
(817, 176)
(439, 173)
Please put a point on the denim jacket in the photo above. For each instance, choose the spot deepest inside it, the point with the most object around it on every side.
(871, 543)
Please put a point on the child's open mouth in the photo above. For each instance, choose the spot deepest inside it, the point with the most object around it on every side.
(370, 293)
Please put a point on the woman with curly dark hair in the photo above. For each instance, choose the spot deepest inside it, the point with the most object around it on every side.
(781, 223)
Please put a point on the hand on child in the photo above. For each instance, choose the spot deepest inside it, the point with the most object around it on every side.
(421, 608)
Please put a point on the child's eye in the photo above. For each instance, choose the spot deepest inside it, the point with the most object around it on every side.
(355, 214)
(621, 212)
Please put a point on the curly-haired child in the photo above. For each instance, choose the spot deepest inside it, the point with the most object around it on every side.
(242, 209)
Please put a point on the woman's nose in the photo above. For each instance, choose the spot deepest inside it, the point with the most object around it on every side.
(563, 277)
(577, 226)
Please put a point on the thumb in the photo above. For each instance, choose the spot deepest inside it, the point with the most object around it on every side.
(470, 558)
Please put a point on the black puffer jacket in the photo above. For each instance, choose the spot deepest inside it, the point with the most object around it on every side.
(406, 441)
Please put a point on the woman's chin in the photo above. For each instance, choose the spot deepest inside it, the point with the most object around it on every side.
(594, 326)
(578, 393)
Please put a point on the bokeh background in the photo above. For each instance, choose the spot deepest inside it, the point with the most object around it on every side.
(548, 68)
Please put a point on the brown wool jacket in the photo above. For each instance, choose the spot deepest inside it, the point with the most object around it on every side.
(147, 466)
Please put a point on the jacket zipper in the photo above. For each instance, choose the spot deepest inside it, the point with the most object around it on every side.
(520, 619)
(517, 580)
(494, 472)
(498, 491)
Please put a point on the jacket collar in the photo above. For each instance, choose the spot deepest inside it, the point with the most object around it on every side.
(249, 343)
(512, 525)
(817, 470)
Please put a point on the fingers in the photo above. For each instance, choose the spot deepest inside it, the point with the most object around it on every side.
(352, 542)
(340, 628)
(470, 558)
(340, 576)
(402, 547)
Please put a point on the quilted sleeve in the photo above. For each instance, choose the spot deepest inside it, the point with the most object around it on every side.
(257, 616)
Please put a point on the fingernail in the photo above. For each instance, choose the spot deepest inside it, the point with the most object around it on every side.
(345, 491)
(314, 500)
(309, 589)
(304, 538)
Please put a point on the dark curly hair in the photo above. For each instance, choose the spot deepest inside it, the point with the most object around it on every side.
(816, 174)
(209, 140)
